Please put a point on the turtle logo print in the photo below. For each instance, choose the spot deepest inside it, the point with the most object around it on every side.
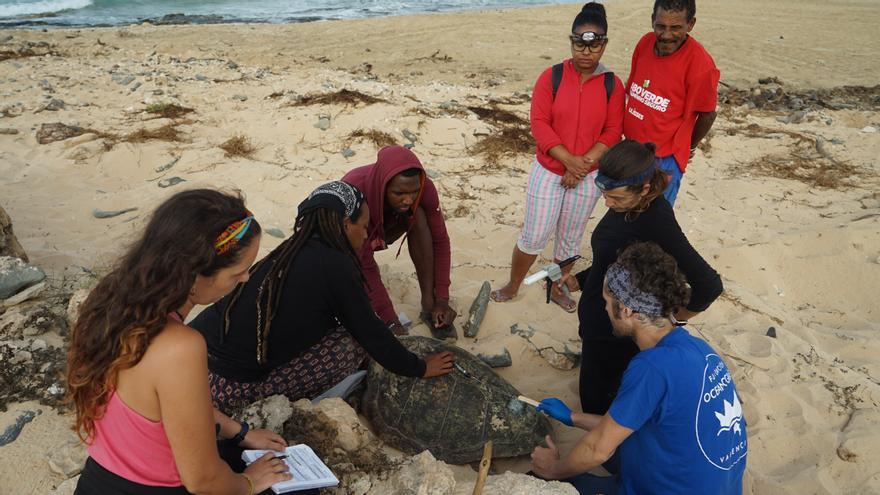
(731, 418)
(719, 425)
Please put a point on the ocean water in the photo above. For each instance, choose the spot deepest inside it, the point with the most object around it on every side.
(120, 12)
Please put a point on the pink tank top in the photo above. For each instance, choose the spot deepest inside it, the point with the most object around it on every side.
(132, 446)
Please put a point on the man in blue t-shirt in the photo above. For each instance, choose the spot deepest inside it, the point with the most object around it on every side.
(677, 419)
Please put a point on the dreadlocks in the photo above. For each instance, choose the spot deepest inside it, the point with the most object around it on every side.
(319, 222)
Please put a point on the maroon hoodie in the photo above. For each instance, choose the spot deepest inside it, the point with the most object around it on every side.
(372, 180)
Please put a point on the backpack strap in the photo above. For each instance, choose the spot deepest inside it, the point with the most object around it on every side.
(609, 85)
(556, 78)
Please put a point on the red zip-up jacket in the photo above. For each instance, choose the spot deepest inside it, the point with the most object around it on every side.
(372, 180)
(580, 116)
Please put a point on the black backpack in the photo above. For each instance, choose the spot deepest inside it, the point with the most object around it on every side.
(556, 79)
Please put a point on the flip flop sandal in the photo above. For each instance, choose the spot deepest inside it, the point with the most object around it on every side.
(446, 332)
(569, 306)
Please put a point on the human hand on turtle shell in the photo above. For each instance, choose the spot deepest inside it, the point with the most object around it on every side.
(556, 409)
(438, 364)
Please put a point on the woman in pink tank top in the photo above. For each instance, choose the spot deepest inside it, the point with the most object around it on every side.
(137, 376)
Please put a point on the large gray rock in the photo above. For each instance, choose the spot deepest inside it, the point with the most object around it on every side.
(69, 458)
(67, 487)
(523, 484)
(15, 275)
(451, 415)
(421, 475)
(351, 435)
(9, 245)
(270, 413)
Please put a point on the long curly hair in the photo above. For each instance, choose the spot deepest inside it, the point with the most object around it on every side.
(130, 305)
(325, 223)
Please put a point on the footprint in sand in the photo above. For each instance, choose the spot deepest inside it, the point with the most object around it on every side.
(757, 350)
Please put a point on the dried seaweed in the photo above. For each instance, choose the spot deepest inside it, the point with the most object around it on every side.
(507, 142)
(341, 97)
(168, 110)
(238, 145)
(379, 138)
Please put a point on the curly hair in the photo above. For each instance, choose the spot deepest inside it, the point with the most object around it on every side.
(688, 6)
(325, 223)
(654, 272)
(130, 305)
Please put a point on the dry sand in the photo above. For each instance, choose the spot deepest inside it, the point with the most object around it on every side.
(794, 255)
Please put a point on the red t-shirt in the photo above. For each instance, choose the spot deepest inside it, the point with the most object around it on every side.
(666, 93)
(580, 116)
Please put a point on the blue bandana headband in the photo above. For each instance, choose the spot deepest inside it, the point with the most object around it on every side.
(605, 183)
(620, 285)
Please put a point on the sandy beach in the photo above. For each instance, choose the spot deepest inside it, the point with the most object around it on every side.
(782, 200)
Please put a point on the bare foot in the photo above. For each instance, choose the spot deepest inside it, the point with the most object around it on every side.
(503, 294)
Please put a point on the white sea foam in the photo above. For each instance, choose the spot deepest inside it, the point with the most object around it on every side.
(30, 8)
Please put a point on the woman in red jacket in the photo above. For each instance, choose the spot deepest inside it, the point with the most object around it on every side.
(576, 116)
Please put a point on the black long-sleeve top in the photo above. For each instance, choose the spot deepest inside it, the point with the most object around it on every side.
(322, 290)
(613, 233)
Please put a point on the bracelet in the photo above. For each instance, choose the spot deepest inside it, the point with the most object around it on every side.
(250, 483)
(239, 437)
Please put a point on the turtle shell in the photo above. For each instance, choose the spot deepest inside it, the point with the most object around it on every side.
(452, 415)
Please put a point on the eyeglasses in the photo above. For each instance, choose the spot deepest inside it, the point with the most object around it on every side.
(594, 41)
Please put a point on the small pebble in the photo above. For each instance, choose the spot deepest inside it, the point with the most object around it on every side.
(172, 181)
(323, 123)
(348, 152)
(771, 332)
(275, 232)
(110, 214)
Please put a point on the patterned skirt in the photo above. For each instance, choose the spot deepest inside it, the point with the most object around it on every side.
(307, 375)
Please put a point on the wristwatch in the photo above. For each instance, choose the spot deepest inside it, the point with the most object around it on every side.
(239, 437)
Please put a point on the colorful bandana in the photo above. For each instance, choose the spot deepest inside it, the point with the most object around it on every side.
(620, 285)
(337, 195)
(232, 234)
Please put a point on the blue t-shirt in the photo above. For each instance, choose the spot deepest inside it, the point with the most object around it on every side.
(689, 434)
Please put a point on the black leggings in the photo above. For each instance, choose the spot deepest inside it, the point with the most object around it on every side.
(95, 480)
(602, 365)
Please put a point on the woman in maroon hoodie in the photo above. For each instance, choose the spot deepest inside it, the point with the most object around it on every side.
(404, 202)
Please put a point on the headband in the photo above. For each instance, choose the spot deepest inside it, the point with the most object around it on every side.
(338, 196)
(605, 183)
(232, 234)
(620, 285)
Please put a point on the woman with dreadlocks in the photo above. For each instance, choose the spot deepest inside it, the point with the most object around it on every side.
(137, 376)
(303, 322)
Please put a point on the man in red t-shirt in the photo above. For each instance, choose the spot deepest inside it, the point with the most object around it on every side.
(672, 89)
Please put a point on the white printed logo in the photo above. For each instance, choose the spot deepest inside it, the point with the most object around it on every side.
(650, 99)
(719, 425)
(732, 417)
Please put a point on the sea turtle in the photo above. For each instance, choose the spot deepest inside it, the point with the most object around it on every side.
(451, 415)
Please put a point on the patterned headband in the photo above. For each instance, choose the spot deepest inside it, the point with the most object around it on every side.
(337, 195)
(620, 285)
(232, 234)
